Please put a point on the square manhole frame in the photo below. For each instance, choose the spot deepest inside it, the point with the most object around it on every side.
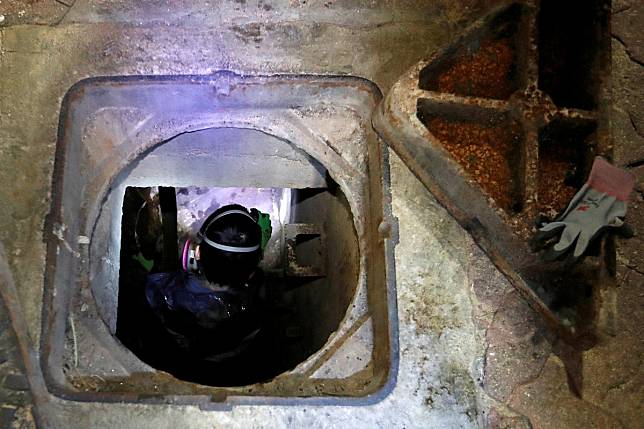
(265, 103)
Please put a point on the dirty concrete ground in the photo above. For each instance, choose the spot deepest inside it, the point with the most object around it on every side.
(472, 353)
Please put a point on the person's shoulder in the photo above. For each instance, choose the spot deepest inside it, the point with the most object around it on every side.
(158, 286)
(166, 278)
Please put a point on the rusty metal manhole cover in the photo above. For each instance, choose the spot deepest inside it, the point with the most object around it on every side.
(502, 126)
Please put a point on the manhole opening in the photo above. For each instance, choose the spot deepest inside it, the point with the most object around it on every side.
(272, 325)
(237, 137)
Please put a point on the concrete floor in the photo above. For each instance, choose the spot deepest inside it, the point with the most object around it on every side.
(472, 353)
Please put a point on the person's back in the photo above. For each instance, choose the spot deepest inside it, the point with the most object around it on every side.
(213, 309)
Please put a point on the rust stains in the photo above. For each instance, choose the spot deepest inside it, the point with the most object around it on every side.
(483, 73)
(484, 152)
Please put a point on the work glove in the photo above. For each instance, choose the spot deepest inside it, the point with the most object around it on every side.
(600, 204)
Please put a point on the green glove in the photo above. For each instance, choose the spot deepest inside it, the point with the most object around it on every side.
(264, 222)
(145, 263)
(601, 203)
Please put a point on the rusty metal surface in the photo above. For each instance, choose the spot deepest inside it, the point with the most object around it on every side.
(497, 128)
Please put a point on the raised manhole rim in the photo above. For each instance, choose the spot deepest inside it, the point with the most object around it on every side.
(75, 93)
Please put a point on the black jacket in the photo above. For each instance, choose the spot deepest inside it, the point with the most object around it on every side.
(211, 322)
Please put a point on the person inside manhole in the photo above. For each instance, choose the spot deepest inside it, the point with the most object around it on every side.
(212, 312)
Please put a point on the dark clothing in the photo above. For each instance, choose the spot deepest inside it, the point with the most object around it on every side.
(176, 323)
(211, 323)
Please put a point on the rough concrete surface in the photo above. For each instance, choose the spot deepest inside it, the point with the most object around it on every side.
(472, 353)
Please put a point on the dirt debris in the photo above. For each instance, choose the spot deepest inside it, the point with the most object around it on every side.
(486, 72)
(554, 193)
(486, 153)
